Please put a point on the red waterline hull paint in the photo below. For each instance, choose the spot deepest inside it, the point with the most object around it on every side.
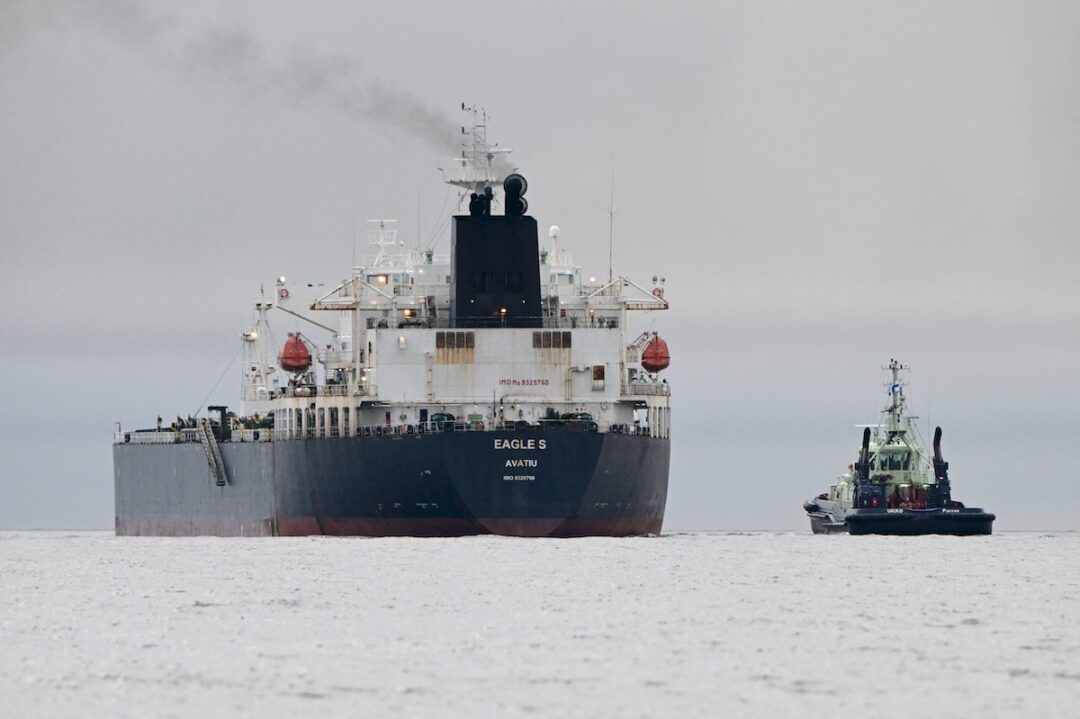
(355, 527)
(375, 527)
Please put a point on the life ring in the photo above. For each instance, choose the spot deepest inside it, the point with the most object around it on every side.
(604, 406)
(283, 293)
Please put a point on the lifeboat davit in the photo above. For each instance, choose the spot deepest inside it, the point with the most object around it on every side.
(656, 356)
(295, 356)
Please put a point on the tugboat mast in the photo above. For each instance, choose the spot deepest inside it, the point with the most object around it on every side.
(895, 408)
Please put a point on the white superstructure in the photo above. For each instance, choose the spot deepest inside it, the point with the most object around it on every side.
(392, 362)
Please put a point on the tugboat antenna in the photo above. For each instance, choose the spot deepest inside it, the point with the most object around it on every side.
(895, 408)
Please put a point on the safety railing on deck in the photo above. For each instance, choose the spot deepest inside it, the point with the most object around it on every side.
(649, 388)
(188, 436)
(323, 390)
(191, 436)
(579, 319)
(383, 430)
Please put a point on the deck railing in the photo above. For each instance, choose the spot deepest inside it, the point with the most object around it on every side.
(383, 430)
(649, 388)
(191, 436)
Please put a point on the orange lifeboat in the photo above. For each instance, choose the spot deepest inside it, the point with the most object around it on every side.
(656, 356)
(295, 356)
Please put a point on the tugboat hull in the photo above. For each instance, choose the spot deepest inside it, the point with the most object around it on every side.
(955, 522)
(829, 518)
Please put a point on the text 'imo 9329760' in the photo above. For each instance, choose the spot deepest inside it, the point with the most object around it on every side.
(489, 391)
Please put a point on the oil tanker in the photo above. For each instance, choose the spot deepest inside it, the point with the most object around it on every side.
(491, 391)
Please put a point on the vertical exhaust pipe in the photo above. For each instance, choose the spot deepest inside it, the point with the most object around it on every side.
(941, 467)
(941, 472)
(865, 495)
(862, 468)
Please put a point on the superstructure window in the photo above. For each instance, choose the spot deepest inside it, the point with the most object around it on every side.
(556, 340)
(896, 462)
(455, 340)
(484, 282)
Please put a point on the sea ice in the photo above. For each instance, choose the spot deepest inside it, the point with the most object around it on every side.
(695, 624)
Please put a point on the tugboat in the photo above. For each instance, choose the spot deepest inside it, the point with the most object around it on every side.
(893, 488)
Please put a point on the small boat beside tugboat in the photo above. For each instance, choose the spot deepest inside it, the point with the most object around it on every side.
(894, 487)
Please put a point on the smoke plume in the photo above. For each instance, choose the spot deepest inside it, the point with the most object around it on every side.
(234, 56)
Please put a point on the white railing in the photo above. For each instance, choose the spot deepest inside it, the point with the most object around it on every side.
(384, 430)
(324, 390)
(649, 388)
(191, 436)
(188, 436)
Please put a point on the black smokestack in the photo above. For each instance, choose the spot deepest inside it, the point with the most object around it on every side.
(495, 275)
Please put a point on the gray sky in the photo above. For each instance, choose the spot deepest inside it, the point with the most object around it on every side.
(824, 185)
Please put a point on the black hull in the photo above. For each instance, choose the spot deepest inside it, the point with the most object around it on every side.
(561, 484)
(912, 522)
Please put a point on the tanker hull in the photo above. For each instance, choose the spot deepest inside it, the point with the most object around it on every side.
(568, 483)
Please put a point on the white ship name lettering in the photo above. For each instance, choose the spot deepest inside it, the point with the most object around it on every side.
(522, 463)
(520, 444)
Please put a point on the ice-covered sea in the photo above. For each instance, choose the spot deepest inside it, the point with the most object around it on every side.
(696, 624)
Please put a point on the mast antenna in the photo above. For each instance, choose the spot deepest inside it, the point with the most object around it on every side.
(480, 164)
(612, 209)
(611, 226)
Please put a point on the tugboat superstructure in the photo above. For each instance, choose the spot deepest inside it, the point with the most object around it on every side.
(493, 389)
(894, 487)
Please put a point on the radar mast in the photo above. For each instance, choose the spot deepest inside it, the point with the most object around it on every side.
(481, 164)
